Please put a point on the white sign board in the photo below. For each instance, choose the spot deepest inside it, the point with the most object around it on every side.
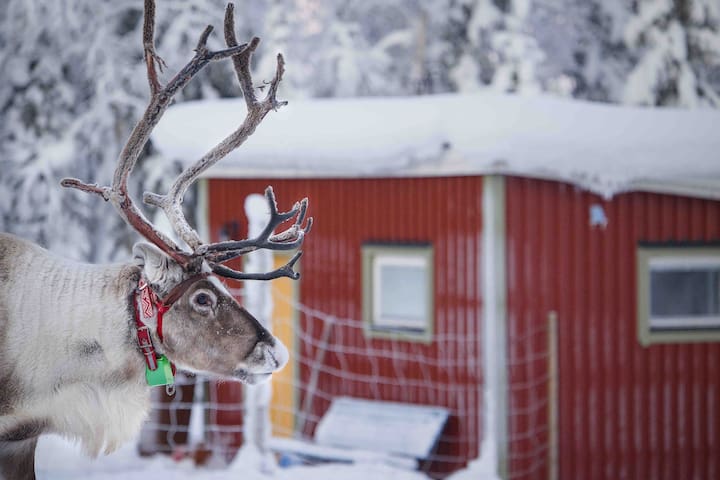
(396, 428)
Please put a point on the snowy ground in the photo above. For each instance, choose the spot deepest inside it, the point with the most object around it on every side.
(57, 459)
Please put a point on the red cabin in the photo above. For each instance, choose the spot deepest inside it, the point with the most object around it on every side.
(546, 270)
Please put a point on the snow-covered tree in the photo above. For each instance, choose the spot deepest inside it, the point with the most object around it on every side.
(676, 42)
(346, 48)
(378, 47)
(66, 104)
(74, 80)
(74, 84)
(499, 49)
(702, 22)
(585, 56)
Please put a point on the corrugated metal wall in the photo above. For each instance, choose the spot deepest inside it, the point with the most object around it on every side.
(443, 211)
(626, 412)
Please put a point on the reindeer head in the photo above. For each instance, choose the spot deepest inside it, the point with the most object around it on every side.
(205, 329)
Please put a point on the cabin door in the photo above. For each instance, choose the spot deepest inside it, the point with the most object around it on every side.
(284, 322)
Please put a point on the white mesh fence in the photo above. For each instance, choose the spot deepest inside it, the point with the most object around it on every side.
(333, 357)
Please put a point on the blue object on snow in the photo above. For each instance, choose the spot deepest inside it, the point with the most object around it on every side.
(288, 460)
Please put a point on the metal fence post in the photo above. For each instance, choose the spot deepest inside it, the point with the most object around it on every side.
(552, 396)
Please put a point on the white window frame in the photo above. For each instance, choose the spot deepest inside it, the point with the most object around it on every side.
(375, 324)
(680, 329)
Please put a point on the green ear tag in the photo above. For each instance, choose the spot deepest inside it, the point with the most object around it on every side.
(162, 375)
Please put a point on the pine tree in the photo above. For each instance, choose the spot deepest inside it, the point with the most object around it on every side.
(75, 85)
(65, 108)
(74, 78)
(585, 56)
(348, 48)
(702, 23)
(676, 41)
(500, 51)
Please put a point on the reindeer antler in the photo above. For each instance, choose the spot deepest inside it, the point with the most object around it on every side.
(171, 203)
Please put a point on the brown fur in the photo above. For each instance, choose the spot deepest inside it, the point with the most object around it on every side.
(17, 460)
(221, 330)
(4, 267)
(89, 348)
(10, 391)
(24, 431)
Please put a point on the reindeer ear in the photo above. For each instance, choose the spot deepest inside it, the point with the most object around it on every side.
(160, 270)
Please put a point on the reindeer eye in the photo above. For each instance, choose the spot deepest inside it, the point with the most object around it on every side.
(203, 299)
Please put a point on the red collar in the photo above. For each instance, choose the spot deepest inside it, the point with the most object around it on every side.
(149, 306)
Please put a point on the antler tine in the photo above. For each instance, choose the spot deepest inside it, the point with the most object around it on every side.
(293, 232)
(289, 239)
(242, 66)
(160, 99)
(241, 62)
(149, 45)
(284, 271)
(256, 112)
(272, 91)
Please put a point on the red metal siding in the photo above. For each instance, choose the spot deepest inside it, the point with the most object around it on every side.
(445, 212)
(626, 412)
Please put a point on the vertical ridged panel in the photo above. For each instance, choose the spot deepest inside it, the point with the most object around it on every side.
(625, 411)
(445, 212)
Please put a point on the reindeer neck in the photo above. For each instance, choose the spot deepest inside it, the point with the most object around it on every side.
(70, 314)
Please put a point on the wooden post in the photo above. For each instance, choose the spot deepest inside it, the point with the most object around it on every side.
(306, 408)
(552, 397)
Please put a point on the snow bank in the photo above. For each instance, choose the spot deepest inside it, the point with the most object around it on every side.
(600, 147)
(57, 459)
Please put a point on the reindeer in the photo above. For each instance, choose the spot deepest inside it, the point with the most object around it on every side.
(81, 344)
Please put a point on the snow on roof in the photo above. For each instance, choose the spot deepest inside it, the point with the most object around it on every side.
(603, 148)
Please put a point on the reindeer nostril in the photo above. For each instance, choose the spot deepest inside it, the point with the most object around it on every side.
(264, 336)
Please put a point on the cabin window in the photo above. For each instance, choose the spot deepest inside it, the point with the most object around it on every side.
(398, 291)
(678, 294)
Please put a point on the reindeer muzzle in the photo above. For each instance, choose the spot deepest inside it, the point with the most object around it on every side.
(265, 359)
